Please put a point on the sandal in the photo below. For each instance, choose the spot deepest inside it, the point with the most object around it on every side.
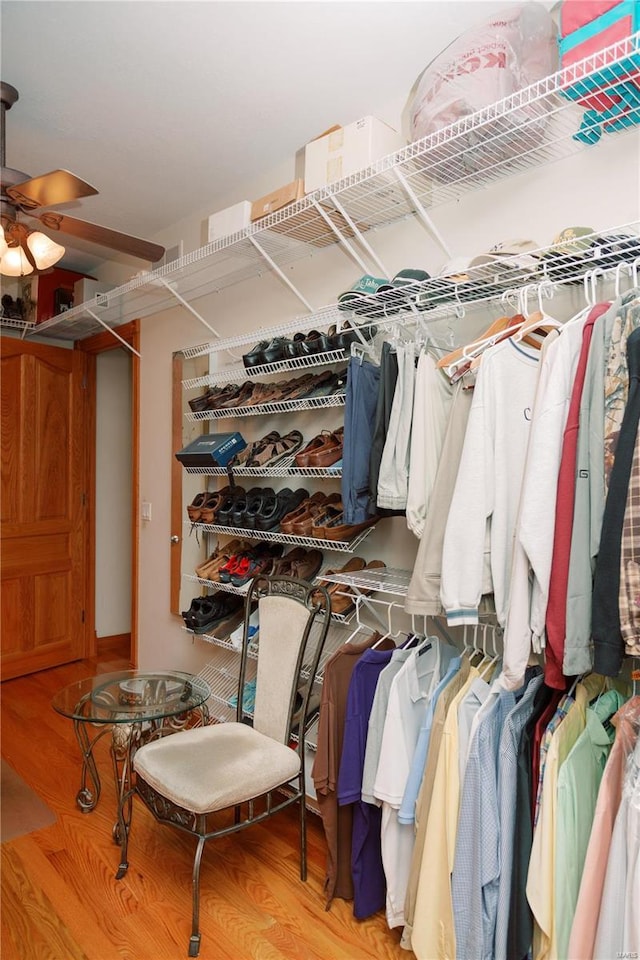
(277, 450)
(212, 504)
(195, 507)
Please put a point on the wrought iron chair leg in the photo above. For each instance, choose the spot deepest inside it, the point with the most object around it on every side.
(303, 833)
(194, 940)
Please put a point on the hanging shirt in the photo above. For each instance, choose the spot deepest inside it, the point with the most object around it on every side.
(369, 886)
(446, 700)
(585, 921)
(406, 813)
(409, 695)
(433, 936)
(474, 882)
(487, 489)
(431, 406)
(542, 866)
(629, 594)
(578, 784)
(514, 724)
(618, 925)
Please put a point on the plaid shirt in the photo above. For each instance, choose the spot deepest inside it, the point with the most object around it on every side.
(616, 381)
(554, 723)
(629, 596)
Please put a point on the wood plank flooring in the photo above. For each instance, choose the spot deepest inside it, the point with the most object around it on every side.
(60, 899)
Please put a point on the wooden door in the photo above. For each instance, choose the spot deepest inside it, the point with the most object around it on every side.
(43, 565)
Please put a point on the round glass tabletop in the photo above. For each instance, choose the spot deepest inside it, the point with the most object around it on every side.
(131, 696)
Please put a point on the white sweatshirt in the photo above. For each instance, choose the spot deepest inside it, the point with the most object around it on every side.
(540, 483)
(431, 407)
(487, 490)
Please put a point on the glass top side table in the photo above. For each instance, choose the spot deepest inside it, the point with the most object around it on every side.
(135, 706)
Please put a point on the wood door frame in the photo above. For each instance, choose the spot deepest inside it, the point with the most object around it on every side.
(176, 483)
(92, 346)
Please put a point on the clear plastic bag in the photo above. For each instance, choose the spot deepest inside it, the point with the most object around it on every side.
(493, 60)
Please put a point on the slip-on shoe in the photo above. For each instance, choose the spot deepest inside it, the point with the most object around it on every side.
(278, 506)
(329, 452)
(224, 515)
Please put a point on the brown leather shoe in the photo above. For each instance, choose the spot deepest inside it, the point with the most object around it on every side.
(332, 511)
(330, 451)
(308, 566)
(286, 522)
(302, 525)
(283, 566)
(336, 529)
(302, 459)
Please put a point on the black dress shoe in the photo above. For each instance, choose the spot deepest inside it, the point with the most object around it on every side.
(239, 512)
(224, 516)
(274, 350)
(255, 505)
(278, 506)
(290, 347)
(255, 357)
(314, 342)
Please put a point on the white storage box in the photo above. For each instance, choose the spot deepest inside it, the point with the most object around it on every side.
(345, 150)
(230, 220)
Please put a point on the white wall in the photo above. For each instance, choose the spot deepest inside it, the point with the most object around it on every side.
(113, 493)
(597, 188)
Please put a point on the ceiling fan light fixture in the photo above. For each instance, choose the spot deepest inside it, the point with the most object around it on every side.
(4, 246)
(45, 251)
(14, 263)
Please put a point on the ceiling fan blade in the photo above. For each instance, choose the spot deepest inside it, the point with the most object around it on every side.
(122, 242)
(58, 186)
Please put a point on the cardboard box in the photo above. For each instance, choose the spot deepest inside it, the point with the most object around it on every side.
(230, 220)
(345, 150)
(279, 198)
(211, 448)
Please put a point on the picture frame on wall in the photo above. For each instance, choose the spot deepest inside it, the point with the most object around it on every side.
(62, 300)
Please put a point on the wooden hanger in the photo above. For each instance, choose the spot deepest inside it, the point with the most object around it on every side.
(502, 323)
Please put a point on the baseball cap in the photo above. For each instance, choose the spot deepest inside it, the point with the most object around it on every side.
(571, 242)
(366, 286)
(405, 287)
(520, 254)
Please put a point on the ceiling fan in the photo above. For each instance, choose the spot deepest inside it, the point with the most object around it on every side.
(25, 251)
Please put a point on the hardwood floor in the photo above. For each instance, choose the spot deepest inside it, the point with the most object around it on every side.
(60, 899)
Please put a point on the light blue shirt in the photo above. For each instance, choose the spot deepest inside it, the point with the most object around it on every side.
(406, 813)
(476, 868)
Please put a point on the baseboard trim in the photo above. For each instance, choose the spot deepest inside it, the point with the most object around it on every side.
(118, 641)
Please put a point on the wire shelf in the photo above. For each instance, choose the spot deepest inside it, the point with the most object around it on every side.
(281, 406)
(380, 579)
(218, 584)
(236, 374)
(14, 323)
(286, 468)
(314, 543)
(535, 126)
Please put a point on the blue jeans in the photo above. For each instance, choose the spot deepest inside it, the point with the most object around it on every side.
(359, 424)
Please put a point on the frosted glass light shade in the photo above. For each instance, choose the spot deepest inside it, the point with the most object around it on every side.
(4, 246)
(45, 251)
(14, 263)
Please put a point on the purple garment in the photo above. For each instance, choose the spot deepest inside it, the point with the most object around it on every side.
(369, 883)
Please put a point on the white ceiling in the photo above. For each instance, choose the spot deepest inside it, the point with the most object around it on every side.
(170, 107)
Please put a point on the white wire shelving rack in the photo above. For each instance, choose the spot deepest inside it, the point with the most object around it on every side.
(263, 409)
(339, 546)
(344, 618)
(535, 126)
(380, 579)
(237, 374)
(285, 468)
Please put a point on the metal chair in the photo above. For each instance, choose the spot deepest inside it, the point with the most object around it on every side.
(187, 779)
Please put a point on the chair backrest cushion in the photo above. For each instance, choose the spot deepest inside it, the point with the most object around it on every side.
(283, 621)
